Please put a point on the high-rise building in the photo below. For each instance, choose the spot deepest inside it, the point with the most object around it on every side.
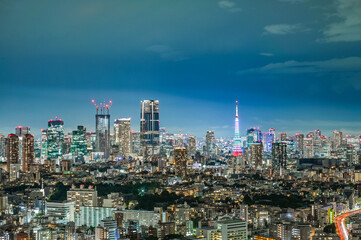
(122, 136)
(210, 143)
(279, 155)
(28, 152)
(21, 131)
(55, 139)
(337, 137)
(2, 147)
(256, 154)
(79, 146)
(270, 138)
(283, 136)
(12, 150)
(180, 159)
(192, 146)
(149, 127)
(299, 143)
(102, 129)
(237, 144)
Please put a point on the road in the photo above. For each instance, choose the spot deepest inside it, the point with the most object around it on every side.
(340, 222)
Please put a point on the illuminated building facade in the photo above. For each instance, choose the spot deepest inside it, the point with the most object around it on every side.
(180, 159)
(55, 139)
(28, 154)
(237, 144)
(256, 151)
(12, 150)
(192, 146)
(79, 146)
(149, 127)
(122, 136)
(210, 143)
(279, 155)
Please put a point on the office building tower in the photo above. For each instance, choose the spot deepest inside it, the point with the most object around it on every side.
(270, 138)
(256, 150)
(135, 141)
(250, 136)
(237, 144)
(299, 143)
(232, 230)
(21, 131)
(180, 159)
(149, 128)
(279, 155)
(318, 134)
(210, 143)
(79, 145)
(192, 146)
(283, 136)
(102, 128)
(2, 147)
(12, 151)
(337, 137)
(28, 154)
(55, 139)
(122, 137)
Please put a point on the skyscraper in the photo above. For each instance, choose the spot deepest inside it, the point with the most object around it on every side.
(149, 127)
(102, 128)
(180, 159)
(279, 155)
(337, 137)
(28, 152)
(270, 138)
(210, 143)
(79, 146)
(299, 143)
(2, 147)
(12, 150)
(192, 146)
(55, 139)
(237, 144)
(122, 135)
(256, 154)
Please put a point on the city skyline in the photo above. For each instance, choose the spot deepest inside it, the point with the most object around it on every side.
(295, 71)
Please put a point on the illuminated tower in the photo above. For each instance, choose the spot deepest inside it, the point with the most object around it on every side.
(55, 139)
(237, 144)
(28, 152)
(192, 146)
(12, 150)
(210, 143)
(122, 135)
(149, 127)
(79, 145)
(102, 128)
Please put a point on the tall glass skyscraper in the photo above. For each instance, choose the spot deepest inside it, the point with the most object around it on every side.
(55, 139)
(102, 126)
(149, 127)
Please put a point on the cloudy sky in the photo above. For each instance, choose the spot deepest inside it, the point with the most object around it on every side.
(293, 64)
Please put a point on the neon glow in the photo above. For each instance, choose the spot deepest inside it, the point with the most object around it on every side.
(237, 145)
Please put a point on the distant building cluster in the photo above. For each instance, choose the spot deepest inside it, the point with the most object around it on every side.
(149, 183)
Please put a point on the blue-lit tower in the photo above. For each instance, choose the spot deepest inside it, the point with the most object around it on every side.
(237, 144)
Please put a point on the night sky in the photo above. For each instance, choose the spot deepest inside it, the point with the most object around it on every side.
(293, 64)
